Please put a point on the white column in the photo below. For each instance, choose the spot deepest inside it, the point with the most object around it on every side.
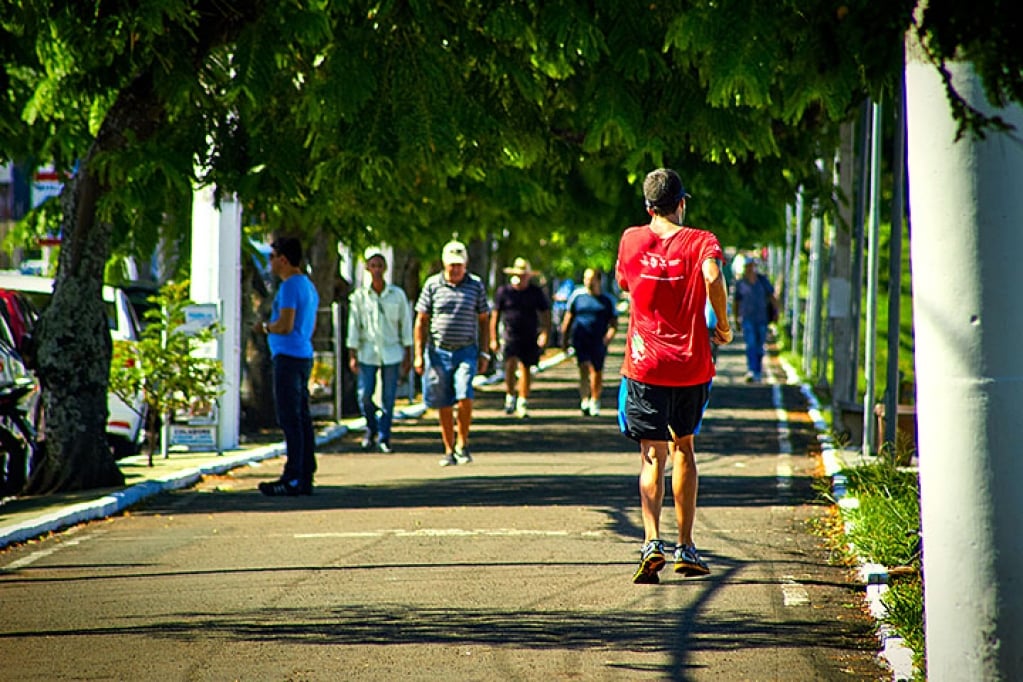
(216, 278)
(967, 212)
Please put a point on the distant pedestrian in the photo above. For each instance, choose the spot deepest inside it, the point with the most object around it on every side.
(289, 334)
(379, 342)
(589, 325)
(451, 335)
(754, 297)
(670, 271)
(522, 315)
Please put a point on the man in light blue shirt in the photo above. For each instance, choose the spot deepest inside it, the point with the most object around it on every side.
(379, 340)
(290, 337)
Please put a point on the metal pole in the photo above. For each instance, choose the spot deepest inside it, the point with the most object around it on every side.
(787, 264)
(869, 421)
(891, 403)
(340, 360)
(797, 252)
(856, 270)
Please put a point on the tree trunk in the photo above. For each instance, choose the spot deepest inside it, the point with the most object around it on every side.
(74, 339)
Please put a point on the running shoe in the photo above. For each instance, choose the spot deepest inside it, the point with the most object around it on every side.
(584, 407)
(509, 403)
(449, 460)
(367, 442)
(594, 407)
(689, 563)
(281, 489)
(384, 447)
(522, 409)
(651, 560)
(462, 455)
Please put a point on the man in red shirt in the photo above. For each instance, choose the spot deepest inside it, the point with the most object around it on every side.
(670, 271)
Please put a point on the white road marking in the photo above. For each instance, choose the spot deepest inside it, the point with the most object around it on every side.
(43, 553)
(784, 468)
(793, 594)
(442, 532)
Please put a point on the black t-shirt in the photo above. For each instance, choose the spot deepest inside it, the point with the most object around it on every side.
(520, 309)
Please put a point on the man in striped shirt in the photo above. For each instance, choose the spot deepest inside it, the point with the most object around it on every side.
(451, 335)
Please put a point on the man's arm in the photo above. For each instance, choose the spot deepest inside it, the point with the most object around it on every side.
(422, 328)
(284, 324)
(495, 318)
(545, 328)
(717, 294)
(484, 325)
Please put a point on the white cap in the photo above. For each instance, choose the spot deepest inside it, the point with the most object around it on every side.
(454, 252)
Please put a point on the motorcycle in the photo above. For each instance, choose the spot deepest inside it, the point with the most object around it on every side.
(19, 444)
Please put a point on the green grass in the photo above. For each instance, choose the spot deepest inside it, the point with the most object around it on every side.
(884, 529)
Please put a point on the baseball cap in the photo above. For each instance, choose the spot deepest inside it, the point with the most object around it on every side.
(373, 251)
(663, 188)
(454, 252)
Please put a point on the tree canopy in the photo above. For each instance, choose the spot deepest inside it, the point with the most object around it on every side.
(406, 121)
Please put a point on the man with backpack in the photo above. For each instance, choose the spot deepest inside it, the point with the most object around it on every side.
(754, 297)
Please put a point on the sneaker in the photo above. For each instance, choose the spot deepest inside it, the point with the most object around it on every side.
(689, 563)
(280, 489)
(594, 408)
(522, 409)
(651, 560)
(384, 447)
(462, 455)
(367, 442)
(509, 403)
(449, 460)
(749, 377)
(584, 407)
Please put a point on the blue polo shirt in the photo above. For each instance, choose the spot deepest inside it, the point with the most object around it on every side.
(296, 292)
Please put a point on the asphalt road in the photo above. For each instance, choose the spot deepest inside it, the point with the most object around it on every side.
(516, 567)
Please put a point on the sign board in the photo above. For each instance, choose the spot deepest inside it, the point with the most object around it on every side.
(199, 316)
(194, 437)
(45, 184)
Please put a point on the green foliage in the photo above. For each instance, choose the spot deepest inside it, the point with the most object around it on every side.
(904, 604)
(884, 528)
(162, 365)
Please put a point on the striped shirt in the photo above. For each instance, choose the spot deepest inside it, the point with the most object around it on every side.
(454, 309)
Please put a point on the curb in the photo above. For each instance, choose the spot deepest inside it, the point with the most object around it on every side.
(894, 651)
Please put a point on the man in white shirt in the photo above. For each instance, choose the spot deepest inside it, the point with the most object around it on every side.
(379, 341)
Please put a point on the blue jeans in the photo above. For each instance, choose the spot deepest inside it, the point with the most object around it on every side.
(755, 336)
(367, 386)
(291, 400)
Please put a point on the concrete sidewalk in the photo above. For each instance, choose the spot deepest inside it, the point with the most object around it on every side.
(25, 518)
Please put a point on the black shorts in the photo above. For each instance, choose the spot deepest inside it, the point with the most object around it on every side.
(647, 412)
(525, 350)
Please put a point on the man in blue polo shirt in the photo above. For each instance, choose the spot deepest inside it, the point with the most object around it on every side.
(451, 333)
(290, 337)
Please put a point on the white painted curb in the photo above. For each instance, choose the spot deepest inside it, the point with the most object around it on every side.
(894, 651)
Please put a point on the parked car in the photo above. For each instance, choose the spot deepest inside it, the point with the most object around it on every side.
(125, 425)
(20, 407)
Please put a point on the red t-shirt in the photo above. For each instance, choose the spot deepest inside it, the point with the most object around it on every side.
(668, 343)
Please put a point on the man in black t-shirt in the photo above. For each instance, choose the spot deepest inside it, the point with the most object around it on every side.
(523, 314)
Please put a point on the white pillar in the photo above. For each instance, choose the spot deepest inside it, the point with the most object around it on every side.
(967, 212)
(216, 278)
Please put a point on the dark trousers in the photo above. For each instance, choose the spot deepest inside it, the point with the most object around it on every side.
(291, 400)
